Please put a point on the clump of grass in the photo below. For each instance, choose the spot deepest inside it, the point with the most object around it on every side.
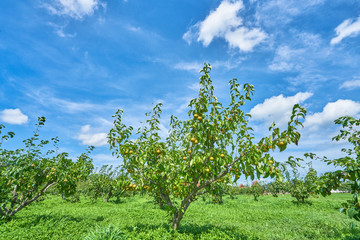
(107, 233)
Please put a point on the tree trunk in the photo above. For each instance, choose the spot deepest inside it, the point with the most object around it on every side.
(106, 197)
(178, 215)
(11, 212)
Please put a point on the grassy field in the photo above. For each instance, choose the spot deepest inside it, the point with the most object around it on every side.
(138, 218)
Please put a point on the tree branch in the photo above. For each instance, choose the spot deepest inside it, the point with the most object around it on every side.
(27, 202)
(15, 197)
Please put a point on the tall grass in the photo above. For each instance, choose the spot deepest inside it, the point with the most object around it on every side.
(105, 233)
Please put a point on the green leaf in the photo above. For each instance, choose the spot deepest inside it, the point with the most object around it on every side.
(352, 212)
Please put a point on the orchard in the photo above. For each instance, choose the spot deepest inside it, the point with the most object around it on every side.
(215, 144)
(202, 157)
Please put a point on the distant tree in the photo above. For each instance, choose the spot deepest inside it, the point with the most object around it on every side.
(220, 189)
(256, 190)
(344, 187)
(275, 188)
(301, 188)
(108, 182)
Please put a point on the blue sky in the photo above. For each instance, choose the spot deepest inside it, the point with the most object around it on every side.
(77, 61)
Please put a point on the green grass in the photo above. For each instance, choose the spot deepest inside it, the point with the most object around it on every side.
(138, 218)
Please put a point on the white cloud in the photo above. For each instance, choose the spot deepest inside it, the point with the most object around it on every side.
(306, 50)
(305, 56)
(189, 66)
(191, 33)
(244, 38)
(283, 59)
(275, 13)
(225, 23)
(13, 116)
(348, 28)
(60, 30)
(277, 108)
(220, 21)
(133, 28)
(73, 107)
(196, 66)
(332, 111)
(87, 137)
(195, 87)
(45, 97)
(74, 8)
(312, 78)
(351, 84)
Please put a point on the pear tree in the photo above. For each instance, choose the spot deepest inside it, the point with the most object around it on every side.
(214, 145)
(108, 182)
(299, 187)
(28, 173)
(348, 166)
(256, 190)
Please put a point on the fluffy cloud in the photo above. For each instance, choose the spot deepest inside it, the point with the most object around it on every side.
(13, 116)
(74, 8)
(351, 84)
(87, 137)
(330, 112)
(348, 28)
(245, 39)
(278, 108)
(225, 23)
(220, 21)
